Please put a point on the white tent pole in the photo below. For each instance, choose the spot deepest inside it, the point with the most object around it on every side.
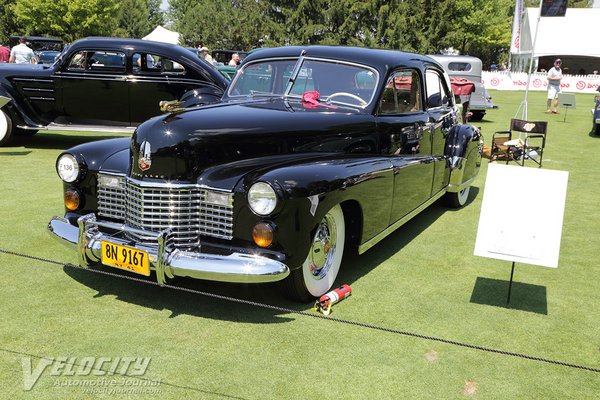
(537, 26)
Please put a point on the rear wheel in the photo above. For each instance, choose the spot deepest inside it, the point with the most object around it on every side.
(322, 264)
(457, 199)
(6, 128)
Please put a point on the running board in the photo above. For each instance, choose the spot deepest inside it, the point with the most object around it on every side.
(72, 127)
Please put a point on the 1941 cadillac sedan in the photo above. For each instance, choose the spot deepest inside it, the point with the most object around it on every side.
(311, 151)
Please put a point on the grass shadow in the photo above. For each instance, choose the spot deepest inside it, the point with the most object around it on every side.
(524, 296)
(59, 141)
(187, 303)
(14, 153)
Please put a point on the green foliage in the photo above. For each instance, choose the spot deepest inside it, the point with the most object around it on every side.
(477, 27)
(66, 19)
(8, 24)
(133, 19)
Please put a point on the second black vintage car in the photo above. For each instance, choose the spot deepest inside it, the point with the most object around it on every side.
(103, 84)
(313, 150)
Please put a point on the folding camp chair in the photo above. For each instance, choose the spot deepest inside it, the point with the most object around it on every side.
(527, 145)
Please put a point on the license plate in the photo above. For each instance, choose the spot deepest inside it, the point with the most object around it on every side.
(124, 257)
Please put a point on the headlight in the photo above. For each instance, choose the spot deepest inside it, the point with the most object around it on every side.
(67, 168)
(262, 198)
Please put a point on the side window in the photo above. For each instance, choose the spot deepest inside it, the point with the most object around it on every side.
(155, 64)
(437, 94)
(402, 93)
(100, 61)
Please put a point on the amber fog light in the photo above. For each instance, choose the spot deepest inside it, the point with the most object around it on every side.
(263, 234)
(72, 199)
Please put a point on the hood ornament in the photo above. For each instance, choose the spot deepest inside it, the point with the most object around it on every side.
(145, 159)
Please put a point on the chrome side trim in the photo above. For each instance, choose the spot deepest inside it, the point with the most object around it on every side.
(373, 241)
(236, 267)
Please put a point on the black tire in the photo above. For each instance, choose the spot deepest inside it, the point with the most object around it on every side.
(458, 199)
(6, 127)
(596, 129)
(476, 115)
(317, 274)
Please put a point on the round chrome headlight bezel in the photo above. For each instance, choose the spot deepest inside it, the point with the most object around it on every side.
(69, 168)
(262, 198)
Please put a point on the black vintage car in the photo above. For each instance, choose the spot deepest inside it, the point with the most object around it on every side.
(312, 150)
(103, 84)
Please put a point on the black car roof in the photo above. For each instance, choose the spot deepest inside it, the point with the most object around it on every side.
(377, 58)
(173, 51)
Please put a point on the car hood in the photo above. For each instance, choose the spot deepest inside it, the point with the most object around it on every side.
(181, 146)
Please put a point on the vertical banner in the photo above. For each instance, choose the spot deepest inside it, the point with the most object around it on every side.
(516, 30)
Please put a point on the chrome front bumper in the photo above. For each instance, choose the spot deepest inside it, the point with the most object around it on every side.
(168, 263)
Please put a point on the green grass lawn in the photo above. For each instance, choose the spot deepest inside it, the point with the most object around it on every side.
(423, 278)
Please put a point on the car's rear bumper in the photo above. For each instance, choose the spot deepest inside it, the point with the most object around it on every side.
(235, 267)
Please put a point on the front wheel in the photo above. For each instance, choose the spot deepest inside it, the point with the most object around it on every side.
(322, 264)
(6, 128)
(457, 199)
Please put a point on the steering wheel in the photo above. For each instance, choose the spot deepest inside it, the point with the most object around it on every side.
(353, 96)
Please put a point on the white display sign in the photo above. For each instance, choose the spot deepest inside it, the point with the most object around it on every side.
(522, 214)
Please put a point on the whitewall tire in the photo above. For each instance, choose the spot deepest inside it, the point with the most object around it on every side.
(6, 128)
(320, 269)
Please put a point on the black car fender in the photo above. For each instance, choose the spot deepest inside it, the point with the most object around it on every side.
(201, 96)
(308, 190)
(463, 149)
(15, 111)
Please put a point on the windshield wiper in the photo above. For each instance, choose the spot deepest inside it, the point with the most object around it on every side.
(295, 73)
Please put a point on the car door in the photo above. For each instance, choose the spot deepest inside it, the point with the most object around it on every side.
(402, 120)
(441, 117)
(93, 88)
(155, 78)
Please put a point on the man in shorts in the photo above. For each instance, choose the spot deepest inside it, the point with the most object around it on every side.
(554, 77)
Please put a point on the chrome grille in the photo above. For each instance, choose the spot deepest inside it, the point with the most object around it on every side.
(182, 208)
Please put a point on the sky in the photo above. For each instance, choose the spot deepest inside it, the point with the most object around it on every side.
(164, 5)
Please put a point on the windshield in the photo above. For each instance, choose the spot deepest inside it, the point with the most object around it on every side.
(333, 82)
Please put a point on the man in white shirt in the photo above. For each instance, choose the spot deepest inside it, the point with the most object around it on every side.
(21, 54)
(554, 77)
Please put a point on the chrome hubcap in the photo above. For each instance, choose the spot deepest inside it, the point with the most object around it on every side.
(323, 249)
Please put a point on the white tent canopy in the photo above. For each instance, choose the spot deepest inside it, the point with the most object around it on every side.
(160, 34)
(571, 35)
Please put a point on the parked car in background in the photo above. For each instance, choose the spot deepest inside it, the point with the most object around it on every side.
(224, 56)
(469, 68)
(47, 56)
(39, 43)
(313, 151)
(223, 69)
(103, 84)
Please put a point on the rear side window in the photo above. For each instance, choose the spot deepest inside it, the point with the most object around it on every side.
(155, 64)
(459, 66)
(402, 93)
(97, 61)
(437, 93)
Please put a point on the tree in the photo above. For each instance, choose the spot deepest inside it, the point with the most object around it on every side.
(8, 24)
(134, 19)
(66, 19)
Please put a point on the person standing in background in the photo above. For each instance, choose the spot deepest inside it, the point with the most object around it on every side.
(235, 60)
(4, 54)
(554, 78)
(21, 54)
